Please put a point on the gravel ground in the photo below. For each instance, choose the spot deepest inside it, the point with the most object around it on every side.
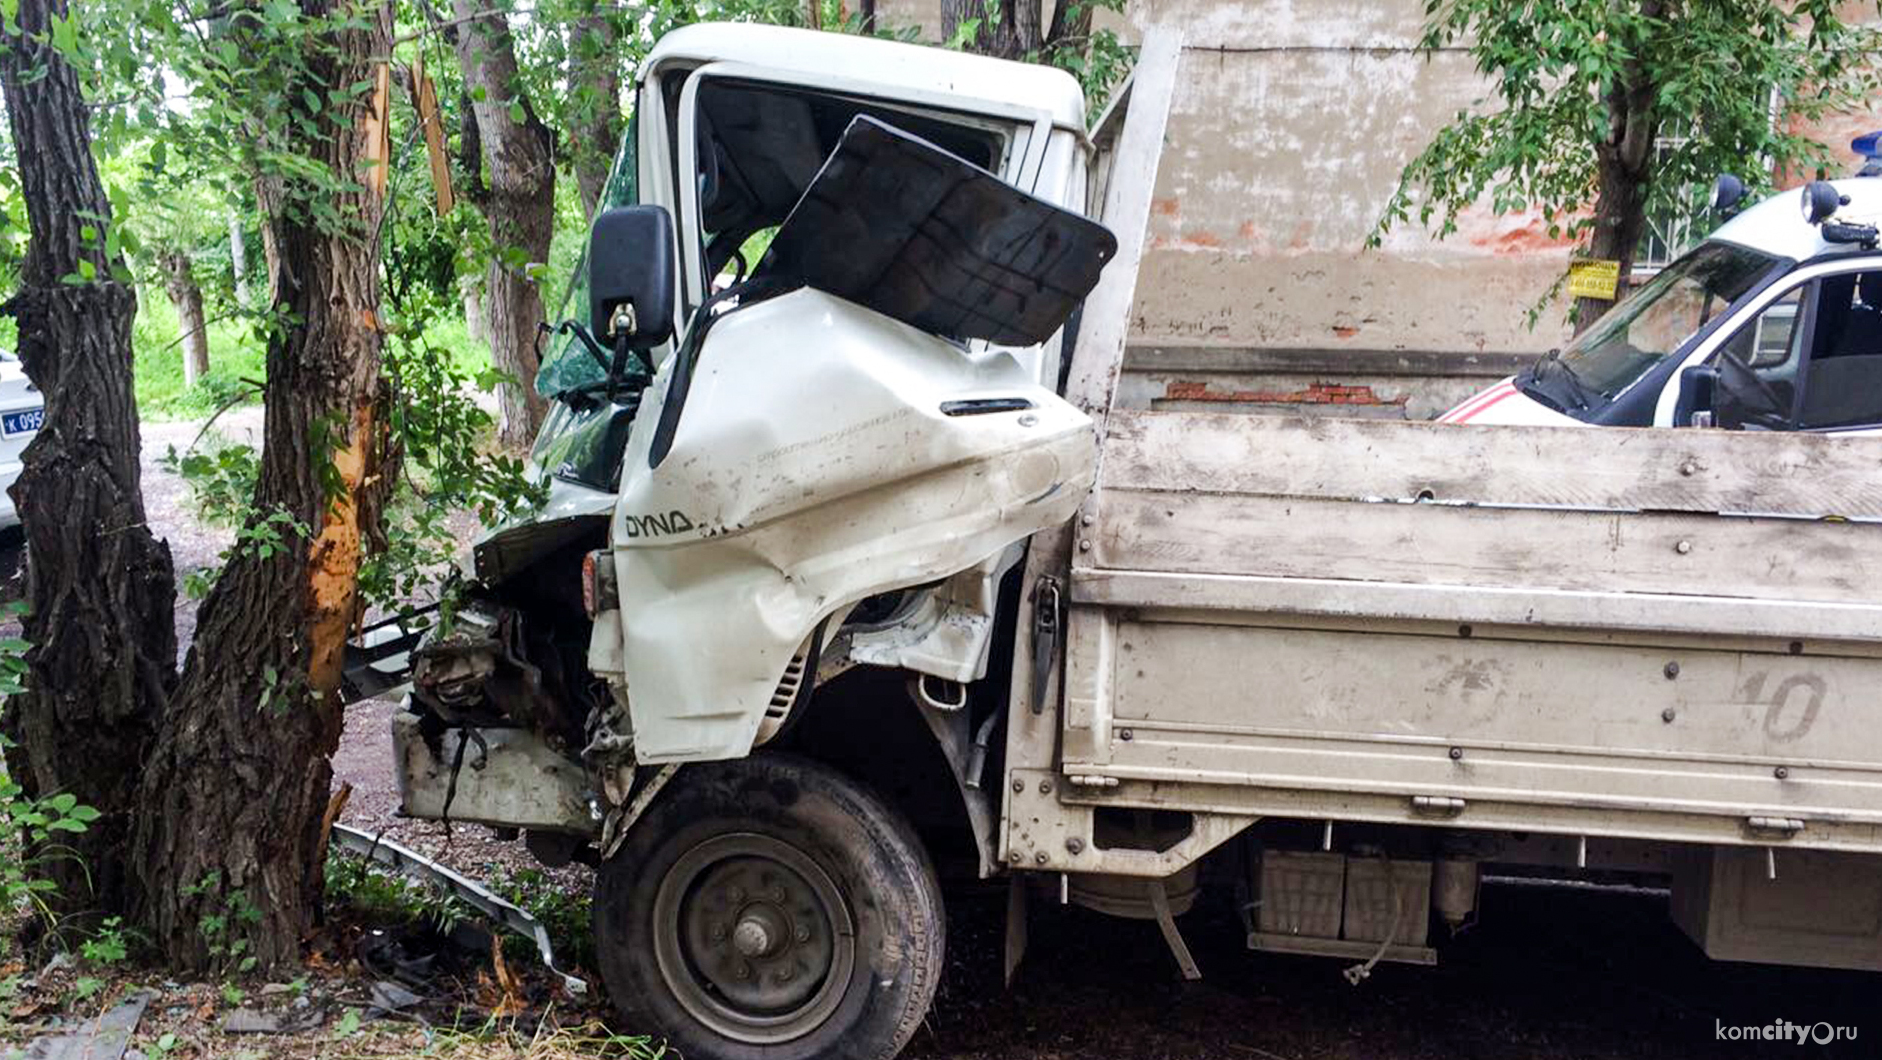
(1553, 973)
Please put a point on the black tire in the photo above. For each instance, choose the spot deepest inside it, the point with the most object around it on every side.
(720, 922)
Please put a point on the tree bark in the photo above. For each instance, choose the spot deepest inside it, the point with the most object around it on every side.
(1011, 33)
(179, 281)
(99, 585)
(229, 843)
(520, 208)
(238, 259)
(1624, 174)
(597, 132)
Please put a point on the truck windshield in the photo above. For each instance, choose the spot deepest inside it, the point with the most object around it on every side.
(1648, 326)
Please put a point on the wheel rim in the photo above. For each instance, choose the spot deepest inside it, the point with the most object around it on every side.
(753, 938)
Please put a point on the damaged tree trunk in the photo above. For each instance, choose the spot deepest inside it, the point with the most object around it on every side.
(520, 206)
(230, 839)
(179, 281)
(99, 586)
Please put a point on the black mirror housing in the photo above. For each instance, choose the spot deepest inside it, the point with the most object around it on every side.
(1698, 390)
(631, 277)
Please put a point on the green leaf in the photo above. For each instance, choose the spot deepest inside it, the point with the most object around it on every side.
(517, 113)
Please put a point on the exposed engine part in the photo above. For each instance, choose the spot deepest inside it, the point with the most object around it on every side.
(609, 751)
(479, 671)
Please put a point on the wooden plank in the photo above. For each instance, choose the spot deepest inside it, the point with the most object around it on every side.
(1099, 350)
(1504, 548)
(1674, 470)
(1481, 606)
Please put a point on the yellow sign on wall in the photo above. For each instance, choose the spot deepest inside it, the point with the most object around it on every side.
(1593, 278)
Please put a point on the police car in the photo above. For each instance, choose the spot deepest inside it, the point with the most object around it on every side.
(1773, 323)
(22, 410)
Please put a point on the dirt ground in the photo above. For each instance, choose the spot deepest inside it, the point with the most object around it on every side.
(1548, 972)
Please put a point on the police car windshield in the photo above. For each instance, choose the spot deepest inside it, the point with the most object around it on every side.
(1658, 318)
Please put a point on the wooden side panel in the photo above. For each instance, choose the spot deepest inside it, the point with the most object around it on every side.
(1326, 459)
(1668, 635)
(1218, 533)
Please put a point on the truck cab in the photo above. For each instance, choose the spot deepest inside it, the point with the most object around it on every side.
(1780, 308)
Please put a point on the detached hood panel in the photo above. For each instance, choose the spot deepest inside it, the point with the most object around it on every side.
(825, 453)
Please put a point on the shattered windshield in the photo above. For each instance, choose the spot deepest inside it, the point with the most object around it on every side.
(568, 365)
(1648, 326)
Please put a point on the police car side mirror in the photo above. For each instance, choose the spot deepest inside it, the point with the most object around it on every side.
(631, 277)
(1698, 391)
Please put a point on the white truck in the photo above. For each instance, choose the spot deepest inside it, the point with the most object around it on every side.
(851, 565)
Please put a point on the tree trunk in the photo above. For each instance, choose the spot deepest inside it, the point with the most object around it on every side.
(238, 259)
(867, 8)
(1624, 167)
(1010, 33)
(474, 320)
(99, 586)
(179, 280)
(520, 207)
(597, 133)
(230, 840)
(268, 201)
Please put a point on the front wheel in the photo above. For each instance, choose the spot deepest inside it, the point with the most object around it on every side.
(770, 908)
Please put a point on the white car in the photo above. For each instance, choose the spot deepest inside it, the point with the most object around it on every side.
(1774, 323)
(22, 410)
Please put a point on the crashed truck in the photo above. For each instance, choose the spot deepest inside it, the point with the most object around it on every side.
(858, 559)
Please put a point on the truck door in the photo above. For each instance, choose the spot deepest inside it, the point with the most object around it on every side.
(843, 421)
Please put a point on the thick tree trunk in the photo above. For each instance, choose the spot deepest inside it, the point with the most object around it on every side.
(597, 134)
(520, 207)
(238, 259)
(99, 586)
(1624, 166)
(179, 280)
(1011, 33)
(230, 840)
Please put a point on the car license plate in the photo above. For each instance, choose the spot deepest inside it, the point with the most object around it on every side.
(25, 421)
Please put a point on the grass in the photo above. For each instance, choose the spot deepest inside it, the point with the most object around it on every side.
(237, 360)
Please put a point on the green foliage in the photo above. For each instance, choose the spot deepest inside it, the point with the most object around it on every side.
(567, 915)
(361, 885)
(32, 837)
(1586, 83)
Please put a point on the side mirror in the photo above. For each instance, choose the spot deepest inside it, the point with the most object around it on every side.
(631, 277)
(1698, 390)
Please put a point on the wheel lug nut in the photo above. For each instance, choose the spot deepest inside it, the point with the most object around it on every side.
(777, 894)
(743, 972)
(738, 894)
(803, 934)
(785, 974)
(718, 932)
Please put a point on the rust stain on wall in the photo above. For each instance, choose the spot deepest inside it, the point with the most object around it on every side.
(1314, 394)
